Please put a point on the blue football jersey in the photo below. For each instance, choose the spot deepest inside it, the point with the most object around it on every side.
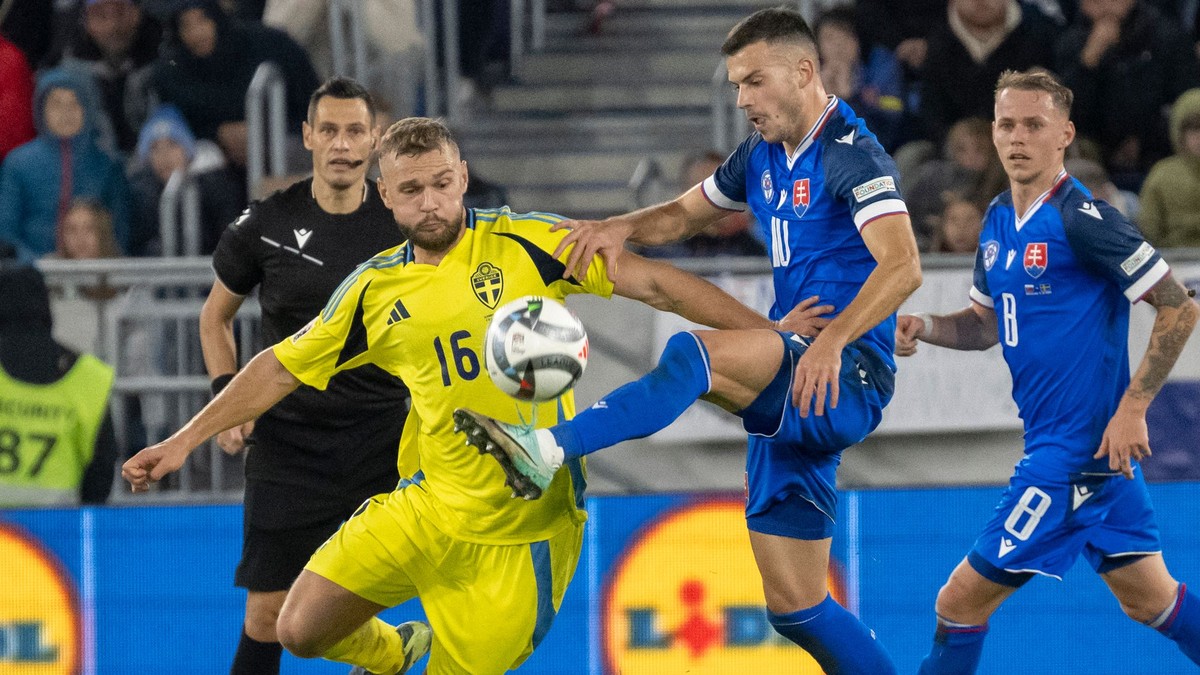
(1061, 278)
(812, 207)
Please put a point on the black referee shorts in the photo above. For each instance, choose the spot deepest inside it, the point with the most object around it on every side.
(272, 559)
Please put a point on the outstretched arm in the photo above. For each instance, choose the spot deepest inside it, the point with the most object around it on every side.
(972, 328)
(677, 219)
(260, 385)
(1126, 436)
(670, 289)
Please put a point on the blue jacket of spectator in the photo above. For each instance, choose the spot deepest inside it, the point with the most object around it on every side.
(31, 178)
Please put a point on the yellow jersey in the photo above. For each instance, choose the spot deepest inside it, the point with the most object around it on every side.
(425, 324)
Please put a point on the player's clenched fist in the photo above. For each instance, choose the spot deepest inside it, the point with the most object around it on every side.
(908, 329)
(150, 465)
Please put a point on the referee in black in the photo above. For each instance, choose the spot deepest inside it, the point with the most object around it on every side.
(317, 455)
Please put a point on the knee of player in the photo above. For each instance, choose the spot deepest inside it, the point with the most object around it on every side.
(954, 604)
(260, 625)
(296, 639)
(1145, 609)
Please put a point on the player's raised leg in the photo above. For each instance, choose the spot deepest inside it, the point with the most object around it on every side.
(320, 618)
(1149, 594)
(729, 368)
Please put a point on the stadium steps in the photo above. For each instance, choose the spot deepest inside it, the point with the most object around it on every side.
(567, 133)
(585, 97)
(684, 64)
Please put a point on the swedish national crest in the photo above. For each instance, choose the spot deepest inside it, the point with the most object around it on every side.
(488, 284)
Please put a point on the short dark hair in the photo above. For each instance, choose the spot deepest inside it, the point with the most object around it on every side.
(777, 24)
(415, 136)
(340, 87)
(1037, 79)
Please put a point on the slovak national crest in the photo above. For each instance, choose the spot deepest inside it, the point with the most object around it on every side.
(488, 284)
(801, 197)
(1035, 259)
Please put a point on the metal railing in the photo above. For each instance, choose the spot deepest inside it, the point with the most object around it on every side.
(169, 378)
(179, 215)
(346, 25)
(149, 332)
(266, 126)
(527, 33)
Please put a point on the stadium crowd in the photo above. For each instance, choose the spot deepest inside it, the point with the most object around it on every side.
(158, 86)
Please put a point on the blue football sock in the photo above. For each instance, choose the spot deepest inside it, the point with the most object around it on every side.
(1181, 623)
(643, 406)
(841, 643)
(956, 649)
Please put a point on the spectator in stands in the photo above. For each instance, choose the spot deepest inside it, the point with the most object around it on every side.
(29, 24)
(970, 167)
(483, 50)
(117, 44)
(979, 40)
(958, 224)
(166, 145)
(1091, 173)
(900, 26)
(871, 82)
(395, 45)
(53, 401)
(39, 179)
(1126, 63)
(732, 235)
(87, 232)
(16, 98)
(1170, 198)
(207, 65)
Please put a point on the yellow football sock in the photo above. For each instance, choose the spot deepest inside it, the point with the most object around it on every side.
(375, 645)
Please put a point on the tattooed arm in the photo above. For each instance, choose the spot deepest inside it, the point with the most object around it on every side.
(1126, 436)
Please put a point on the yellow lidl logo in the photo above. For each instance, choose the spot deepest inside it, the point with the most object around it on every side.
(39, 615)
(686, 597)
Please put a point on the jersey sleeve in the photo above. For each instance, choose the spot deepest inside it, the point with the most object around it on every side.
(335, 340)
(861, 175)
(236, 259)
(1110, 246)
(979, 287)
(726, 188)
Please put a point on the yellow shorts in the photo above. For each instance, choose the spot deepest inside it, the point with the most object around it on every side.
(488, 605)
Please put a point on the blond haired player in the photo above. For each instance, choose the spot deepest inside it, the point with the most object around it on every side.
(490, 571)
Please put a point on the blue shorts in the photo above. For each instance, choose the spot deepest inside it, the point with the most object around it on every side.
(1041, 526)
(790, 457)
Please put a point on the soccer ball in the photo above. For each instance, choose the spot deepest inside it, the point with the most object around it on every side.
(535, 349)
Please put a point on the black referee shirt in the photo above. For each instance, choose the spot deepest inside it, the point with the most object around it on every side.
(313, 448)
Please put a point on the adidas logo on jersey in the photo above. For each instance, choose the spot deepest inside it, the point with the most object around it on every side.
(399, 313)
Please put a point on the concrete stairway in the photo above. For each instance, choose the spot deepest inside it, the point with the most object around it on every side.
(566, 136)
